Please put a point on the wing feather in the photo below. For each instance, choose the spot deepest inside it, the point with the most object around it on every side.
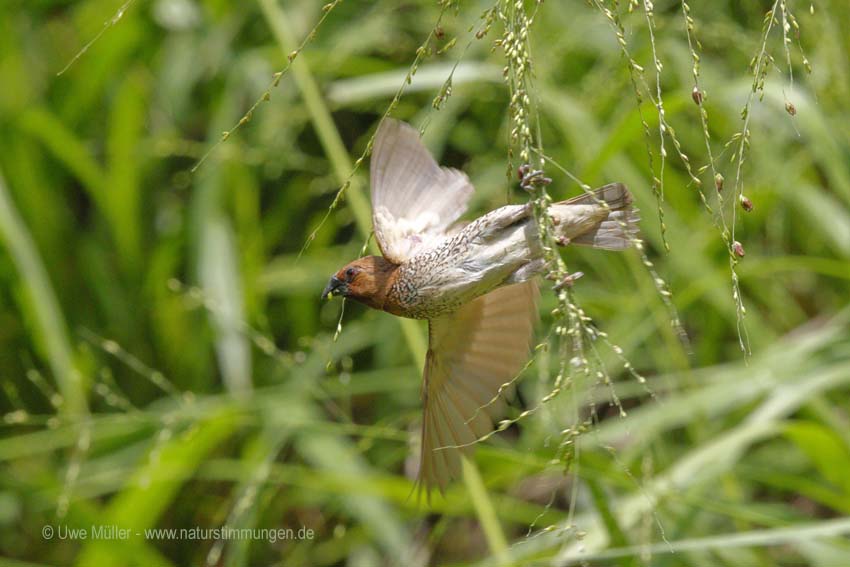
(471, 354)
(479, 421)
(414, 200)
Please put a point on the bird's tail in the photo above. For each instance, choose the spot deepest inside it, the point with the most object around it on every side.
(604, 218)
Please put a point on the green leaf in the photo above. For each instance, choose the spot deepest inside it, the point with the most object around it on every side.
(825, 449)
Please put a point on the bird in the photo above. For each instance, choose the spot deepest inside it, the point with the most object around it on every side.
(473, 282)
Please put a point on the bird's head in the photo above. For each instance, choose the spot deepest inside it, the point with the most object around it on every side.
(365, 280)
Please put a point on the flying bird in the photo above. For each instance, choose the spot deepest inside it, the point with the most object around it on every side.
(474, 283)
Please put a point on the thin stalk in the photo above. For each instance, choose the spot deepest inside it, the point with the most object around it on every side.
(335, 149)
(342, 165)
(320, 115)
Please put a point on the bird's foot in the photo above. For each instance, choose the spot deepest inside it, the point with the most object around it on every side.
(531, 179)
(567, 281)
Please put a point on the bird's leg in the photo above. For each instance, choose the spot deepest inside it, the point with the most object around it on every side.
(530, 179)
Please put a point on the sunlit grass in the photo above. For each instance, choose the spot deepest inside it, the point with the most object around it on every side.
(166, 360)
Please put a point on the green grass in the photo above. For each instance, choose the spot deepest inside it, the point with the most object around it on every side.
(166, 362)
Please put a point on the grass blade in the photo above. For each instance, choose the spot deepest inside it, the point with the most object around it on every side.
(46, 313)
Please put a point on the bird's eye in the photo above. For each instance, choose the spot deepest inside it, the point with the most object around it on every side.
(350, 273)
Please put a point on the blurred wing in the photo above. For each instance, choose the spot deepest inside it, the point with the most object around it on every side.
(414, 200)
(471, 354)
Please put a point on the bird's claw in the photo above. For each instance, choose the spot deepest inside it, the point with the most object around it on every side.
(530, 179)
(567, 281)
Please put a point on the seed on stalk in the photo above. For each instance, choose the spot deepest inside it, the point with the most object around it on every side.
(522, 171)
(718, 182)
(746, 204)
(696, 94)
(738, 249)
(790, 108)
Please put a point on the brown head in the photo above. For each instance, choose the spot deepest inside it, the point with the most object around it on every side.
(366, 280)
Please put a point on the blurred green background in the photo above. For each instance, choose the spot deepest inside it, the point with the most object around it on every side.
(166, 362)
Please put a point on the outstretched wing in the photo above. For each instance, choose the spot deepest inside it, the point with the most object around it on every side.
(414, 200)
(471, 354)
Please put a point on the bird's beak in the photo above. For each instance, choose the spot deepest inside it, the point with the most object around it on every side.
(335, 286)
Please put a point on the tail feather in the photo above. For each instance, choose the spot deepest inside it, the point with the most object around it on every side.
(604, 218)
(615, 194)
